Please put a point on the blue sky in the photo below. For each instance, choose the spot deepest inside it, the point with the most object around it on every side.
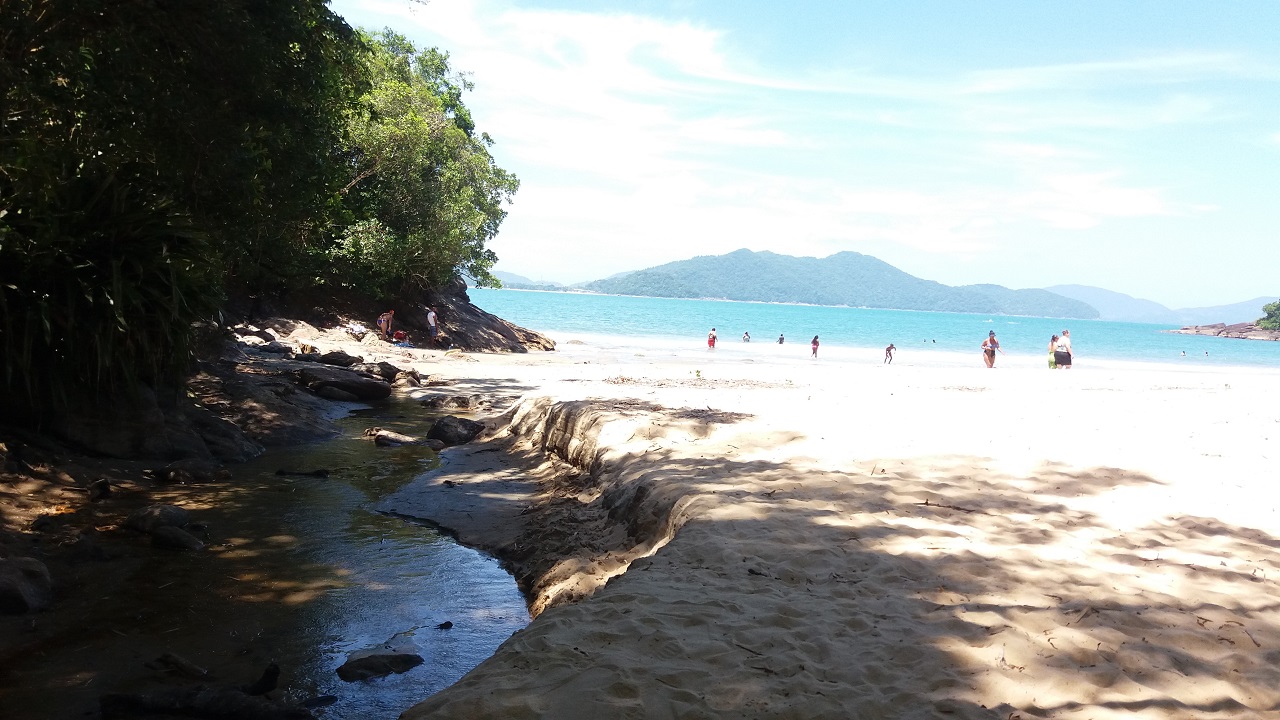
(1129, 145)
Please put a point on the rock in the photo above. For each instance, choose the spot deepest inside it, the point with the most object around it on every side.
(466, 326)
(1243, 331)
(384, 370)
(275, 347)
(338, 358)
(149, 518)
(405, 380)
(390, 438)
(99, 489)
(460, 402)
(455, 430)
(25, 585)
(266, 683)
(363, 388)
(377, 665)
(195, 469)
(329, 392)
(199, 702)
(174, 538)
(434, 444)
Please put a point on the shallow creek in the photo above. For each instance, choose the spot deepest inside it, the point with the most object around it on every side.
(300, 571)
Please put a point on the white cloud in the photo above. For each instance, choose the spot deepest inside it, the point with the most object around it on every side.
(640, 141)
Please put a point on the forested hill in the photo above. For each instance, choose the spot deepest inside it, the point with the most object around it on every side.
(846, 278)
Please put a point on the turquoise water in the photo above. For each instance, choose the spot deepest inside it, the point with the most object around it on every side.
(860, 328)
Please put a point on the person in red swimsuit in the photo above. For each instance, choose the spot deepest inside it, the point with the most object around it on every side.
(711, 339)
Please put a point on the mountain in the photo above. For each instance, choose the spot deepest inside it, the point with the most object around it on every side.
(1118, 306)
(846, 278)
(520, 282)
(1124, 308)
(1247, 311)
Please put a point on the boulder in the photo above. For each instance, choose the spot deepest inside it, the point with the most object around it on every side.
(376, 664)
(317, 377)
(149, 518)
(338, 358)
(455, 430)
(174, 538)
(329, 392)
(460, 402)
(383, 370)
(390, 438)
(25, 585)
(434, 444)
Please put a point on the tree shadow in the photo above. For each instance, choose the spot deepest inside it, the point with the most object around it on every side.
(941, 588)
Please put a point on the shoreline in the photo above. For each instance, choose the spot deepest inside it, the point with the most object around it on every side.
(833, 540)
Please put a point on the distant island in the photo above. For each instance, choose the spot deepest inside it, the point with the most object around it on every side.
(846, 278)
(856, 280)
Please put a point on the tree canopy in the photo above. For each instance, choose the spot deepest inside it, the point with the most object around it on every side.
(1270, 319)
(425, 194)
(154, 158)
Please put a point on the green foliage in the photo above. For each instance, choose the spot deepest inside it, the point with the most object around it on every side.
(1270, 319)
(100, 284)
(149, 154)
(420, 172)
(846, 278)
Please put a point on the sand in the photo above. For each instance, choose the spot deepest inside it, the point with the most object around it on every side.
(751, 533)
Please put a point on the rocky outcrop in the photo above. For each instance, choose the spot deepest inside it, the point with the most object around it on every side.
(1243, 331)
(452, 430)
(465, 326)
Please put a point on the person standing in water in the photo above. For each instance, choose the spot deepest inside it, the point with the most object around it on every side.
(780, 339)
(746, 337)
(989, 348)
(814, 344)
(1053, 348)
(1062, 351)
(888, 354)
(711, 339)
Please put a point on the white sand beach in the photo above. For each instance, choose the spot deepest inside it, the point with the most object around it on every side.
(750, 533)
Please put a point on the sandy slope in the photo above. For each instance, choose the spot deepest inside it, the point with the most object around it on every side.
(790, 538)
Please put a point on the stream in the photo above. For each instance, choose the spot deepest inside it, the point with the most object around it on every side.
(299, 571)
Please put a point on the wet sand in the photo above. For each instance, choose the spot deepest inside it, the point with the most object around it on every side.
(756, 534)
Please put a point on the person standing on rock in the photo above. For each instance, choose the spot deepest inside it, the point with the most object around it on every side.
(433, 327)
(384, 324)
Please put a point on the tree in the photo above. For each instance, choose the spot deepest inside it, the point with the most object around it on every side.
(148, 153)
(1270, 319)
(424, 194)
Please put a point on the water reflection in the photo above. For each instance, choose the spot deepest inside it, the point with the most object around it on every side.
(353, 578)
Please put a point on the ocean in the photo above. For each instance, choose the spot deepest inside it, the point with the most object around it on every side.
(674, 321)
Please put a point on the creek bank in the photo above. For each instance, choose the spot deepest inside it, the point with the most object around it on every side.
(66, 549)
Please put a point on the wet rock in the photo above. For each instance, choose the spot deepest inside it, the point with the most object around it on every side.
(266, 682)
(174, 538)
(25, 585)
(149, 518)
(434, 444)
(319, 472)
(199, 702)
(455, 430)
(460, 402)
(390, 438)
(329, 392)
(376, 665)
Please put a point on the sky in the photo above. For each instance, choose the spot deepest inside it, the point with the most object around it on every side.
(1133, 146)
